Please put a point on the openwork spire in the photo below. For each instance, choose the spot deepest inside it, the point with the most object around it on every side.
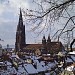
(20, 23)
(49, 40)
(20, 34)
(20, 16)
(49, 37)
(44, 38)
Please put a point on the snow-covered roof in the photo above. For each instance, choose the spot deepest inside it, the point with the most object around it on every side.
(73, 57)
(8, 63)
(11, 70)
(21, 69)
(15, 56)
(48, 54)
(69, 60)
(40, 66)
(70, 68)
(1, 62)
(35, 57)
(72, 52)
(47, 73)
(50, 65)
(60, 54)
(30, 69)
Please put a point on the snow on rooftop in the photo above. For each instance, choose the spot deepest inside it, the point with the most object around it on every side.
(35, 57)
(70, 68)
(21, 69)
(11, 70)
(8, 63)
(15, 56)
(30, 69)
(51, 64)
(48, 54)
(69, 60)
(40, 67)
(42, 63)
(47, 73)
(4, 73)
(1, 62)
(72, 52)
(73, 57)
(60, 54)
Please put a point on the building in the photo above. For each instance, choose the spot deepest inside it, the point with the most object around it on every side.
(20, 34)
(45, 48)
(1, 50)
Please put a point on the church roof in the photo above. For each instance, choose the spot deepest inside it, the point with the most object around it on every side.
(54, 46)
(33, 46)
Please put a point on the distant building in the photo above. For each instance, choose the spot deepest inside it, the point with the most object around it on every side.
(1, 50)
(45, 48)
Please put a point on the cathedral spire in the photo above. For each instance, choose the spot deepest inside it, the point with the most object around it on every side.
(20, 23)
(20, 34)
(43, 40)
(20, 16)
(49, 40)
(49, 37)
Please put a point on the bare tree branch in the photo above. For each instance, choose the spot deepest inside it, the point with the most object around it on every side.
(47, 13)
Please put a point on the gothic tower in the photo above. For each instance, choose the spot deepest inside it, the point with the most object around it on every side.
(48, 40)
(48, 44)
(44, 42)
(20, 34)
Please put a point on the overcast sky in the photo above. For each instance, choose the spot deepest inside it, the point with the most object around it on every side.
(9, 15)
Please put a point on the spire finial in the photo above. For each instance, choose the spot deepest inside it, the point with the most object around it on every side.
(44, 36)
(20, 12)
(49, 36)
(20, 16)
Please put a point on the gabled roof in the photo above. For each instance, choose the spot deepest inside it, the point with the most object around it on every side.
(40, 66)
(39, 46)
(33, 46)
(53, 47)
(56, 45)
(30, 69)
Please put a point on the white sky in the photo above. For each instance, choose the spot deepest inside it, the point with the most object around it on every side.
(9, 15)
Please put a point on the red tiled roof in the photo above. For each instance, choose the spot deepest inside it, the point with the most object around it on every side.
(55, 46)
(33, 46)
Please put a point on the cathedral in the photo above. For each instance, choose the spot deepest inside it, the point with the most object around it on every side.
(20, 34)
(47, 46)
